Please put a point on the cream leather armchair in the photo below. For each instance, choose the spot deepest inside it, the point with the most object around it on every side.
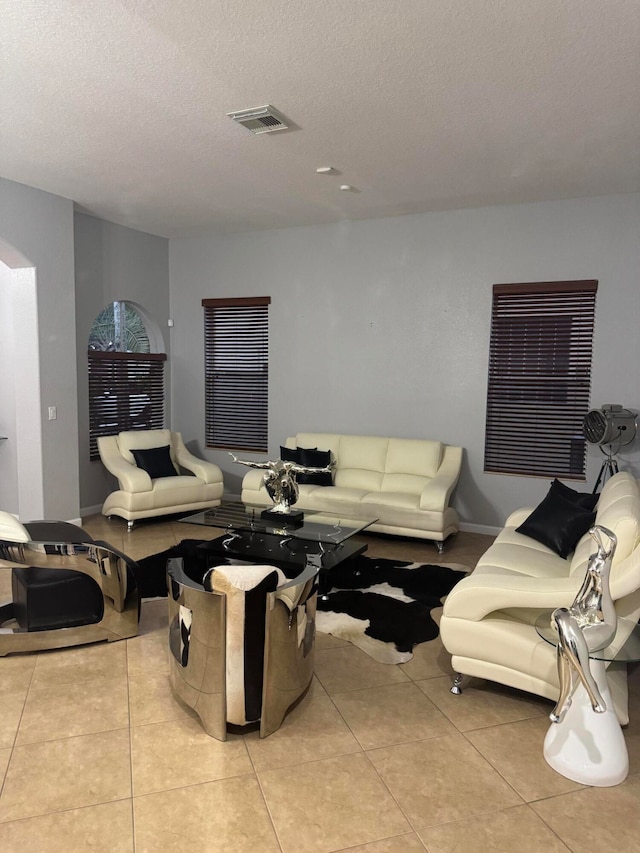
(143, 495)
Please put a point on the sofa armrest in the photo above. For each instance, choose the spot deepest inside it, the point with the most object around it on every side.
(518, 516)
(253, 480)
(209, 472)
(478, 595)
(130, 477)
(435, 495)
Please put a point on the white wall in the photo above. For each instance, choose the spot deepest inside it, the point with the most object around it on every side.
(8, 449)
(113, 263)
(381, 327)
(39, 226)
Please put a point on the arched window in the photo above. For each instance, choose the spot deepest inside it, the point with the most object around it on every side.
(126, 379)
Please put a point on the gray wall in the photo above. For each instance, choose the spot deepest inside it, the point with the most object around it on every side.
(8, 449)
(381, 327)
(377, 327)
(39, 226)
(113, 263)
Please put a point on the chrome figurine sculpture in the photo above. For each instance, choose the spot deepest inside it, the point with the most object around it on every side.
(280, 480)
(589, 625)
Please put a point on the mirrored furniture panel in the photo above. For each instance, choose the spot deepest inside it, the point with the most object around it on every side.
(62, 593)
(241, 643)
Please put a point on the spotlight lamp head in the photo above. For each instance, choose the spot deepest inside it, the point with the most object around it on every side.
(611, 424)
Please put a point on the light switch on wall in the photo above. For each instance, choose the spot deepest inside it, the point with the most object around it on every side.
(53, 413)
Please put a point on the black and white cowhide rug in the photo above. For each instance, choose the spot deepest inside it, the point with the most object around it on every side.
(384, 606)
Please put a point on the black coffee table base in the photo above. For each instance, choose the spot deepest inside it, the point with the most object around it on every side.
(289, 554)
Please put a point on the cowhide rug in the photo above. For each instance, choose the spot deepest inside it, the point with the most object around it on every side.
(382, 606)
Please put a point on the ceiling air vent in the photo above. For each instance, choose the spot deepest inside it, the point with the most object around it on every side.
(260, 119)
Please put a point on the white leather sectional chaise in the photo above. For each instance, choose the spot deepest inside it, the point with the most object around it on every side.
(405, 483)
(488, 621)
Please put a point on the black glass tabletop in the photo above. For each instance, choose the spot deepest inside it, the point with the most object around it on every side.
(315, 526)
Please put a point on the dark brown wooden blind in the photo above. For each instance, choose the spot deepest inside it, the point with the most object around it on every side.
(126, 391)
(539, 378)
(236, 334)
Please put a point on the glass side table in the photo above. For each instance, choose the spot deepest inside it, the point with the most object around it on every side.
(589, 747)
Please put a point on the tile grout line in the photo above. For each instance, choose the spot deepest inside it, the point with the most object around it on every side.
(264, 799)
(15, 737)
(133, 817)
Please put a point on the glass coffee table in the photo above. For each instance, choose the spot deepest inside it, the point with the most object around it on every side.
(322, 539)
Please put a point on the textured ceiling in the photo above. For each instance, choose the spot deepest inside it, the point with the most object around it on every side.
(421, 105)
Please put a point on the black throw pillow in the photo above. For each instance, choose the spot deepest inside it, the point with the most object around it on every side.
(557, 523)
(288, 454)
(586, 500)
(310, 457)
(156, 461)
(314, 458)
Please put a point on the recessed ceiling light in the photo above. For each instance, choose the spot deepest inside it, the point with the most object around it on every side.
(346, 187)
(324, 170)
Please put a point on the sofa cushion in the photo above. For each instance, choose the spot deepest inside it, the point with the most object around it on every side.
(326, 498)
(410, 484)
(557, 523)
(156, 461)
(392, 499)
(516, 554)
(618, 511)
(413, 456)
(360, 462)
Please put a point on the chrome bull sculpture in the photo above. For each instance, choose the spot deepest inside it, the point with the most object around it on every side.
(280, 480)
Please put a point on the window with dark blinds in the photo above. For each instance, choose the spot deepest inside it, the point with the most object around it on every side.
(236, 333)
(539, 378)
(126, 391)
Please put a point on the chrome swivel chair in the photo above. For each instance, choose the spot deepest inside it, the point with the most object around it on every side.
(241, 656)
(65, 588)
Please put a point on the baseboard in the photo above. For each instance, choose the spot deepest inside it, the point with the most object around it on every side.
(466, 527)
(479, 528)
(89, 510)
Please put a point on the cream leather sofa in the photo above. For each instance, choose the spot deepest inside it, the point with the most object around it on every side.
(488, 621)
(141, 496)
(405, 483)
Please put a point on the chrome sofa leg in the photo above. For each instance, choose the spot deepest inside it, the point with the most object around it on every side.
(130, 524)
(440, 546)
(458, 681)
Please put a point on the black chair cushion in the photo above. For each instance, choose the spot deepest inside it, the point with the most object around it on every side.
(47, 599)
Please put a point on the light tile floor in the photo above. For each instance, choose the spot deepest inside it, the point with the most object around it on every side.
(97, 755)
